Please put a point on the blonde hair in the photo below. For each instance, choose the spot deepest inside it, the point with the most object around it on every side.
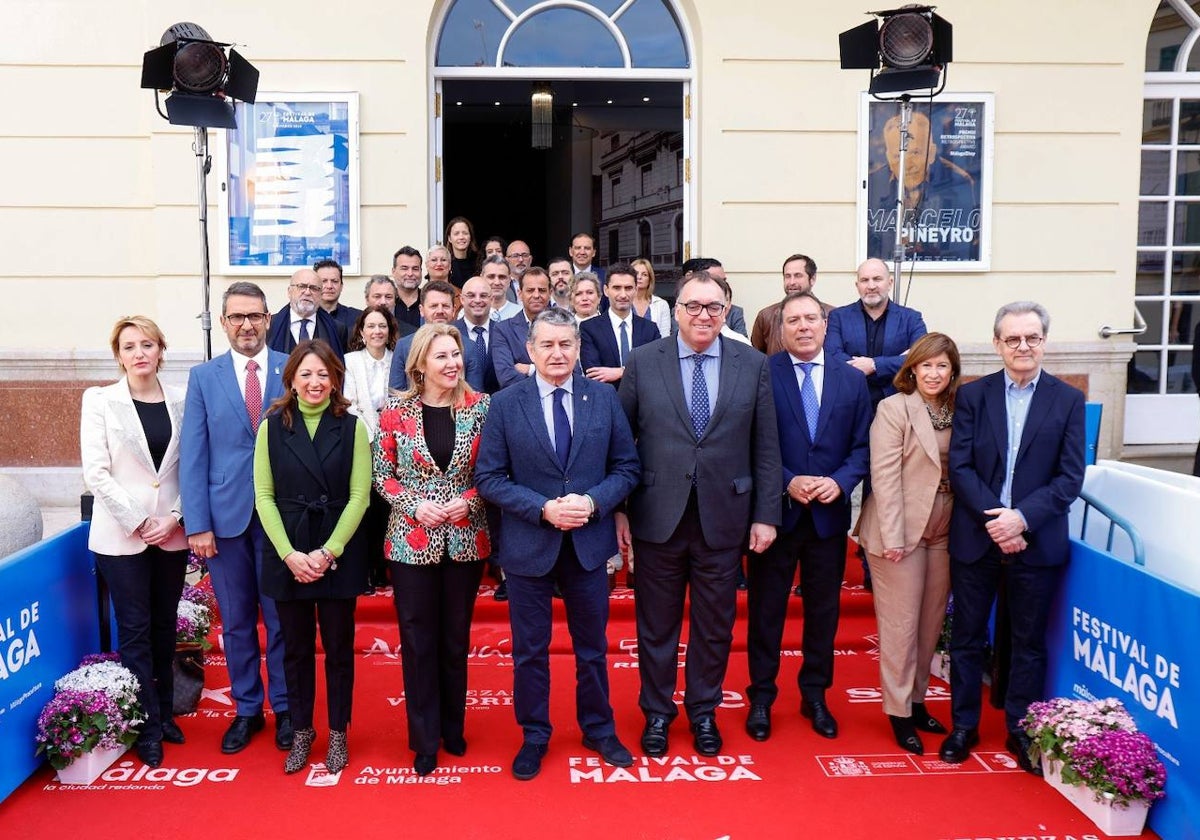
(422, 340)
(148, 328)
(649, 271)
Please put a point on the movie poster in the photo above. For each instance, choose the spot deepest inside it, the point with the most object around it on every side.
(291, 181)
(946, 223)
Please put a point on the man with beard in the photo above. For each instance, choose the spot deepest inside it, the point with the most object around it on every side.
(302, 319)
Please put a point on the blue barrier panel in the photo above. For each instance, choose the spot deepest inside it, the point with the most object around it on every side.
(48, 622)
(1091, 423)
(1119, 631)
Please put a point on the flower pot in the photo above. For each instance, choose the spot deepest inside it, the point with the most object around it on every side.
(188, 668)
(88, 767)
(1112, 819)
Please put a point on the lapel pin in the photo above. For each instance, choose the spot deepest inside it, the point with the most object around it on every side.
(585, 397)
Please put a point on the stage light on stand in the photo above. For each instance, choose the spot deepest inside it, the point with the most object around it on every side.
(905, 49)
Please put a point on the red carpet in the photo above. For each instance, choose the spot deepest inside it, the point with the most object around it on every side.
(796, 785)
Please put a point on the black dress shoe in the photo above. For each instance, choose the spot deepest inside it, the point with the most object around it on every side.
(501, 593)
(284, 734)
(654, 736)
(758, 722)
(823, 721)
(455, 746)
(425, 763)
(528, 762)
(150, 752)
(1018, 744)
(922, 720)
(237, 736)
(957, 747)
(611, 750)
(705, 736)
(171, 732)
(906, 735)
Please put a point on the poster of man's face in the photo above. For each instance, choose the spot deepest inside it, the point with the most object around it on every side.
(941, 184)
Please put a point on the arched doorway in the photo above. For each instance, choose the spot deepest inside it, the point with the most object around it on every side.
(613, 137)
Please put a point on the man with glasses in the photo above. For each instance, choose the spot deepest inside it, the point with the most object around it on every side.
(519, 259)
(703, 415)
(302, 319)
(226, 398)
(330, 274)
(1016, 466)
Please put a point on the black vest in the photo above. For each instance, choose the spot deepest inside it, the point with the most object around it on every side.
(312, 488)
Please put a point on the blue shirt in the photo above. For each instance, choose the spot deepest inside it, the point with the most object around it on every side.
(712, 370)
(1016, 406)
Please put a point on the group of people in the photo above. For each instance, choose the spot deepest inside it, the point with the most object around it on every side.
(434, 434)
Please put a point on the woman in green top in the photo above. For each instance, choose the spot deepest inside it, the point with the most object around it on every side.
(312, 480)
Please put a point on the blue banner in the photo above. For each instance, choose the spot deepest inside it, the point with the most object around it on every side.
(1120, 631)
(49, 620)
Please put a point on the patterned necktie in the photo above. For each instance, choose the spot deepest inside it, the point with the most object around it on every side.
(562, 427)
(253, 394)
(479, 343)
(624, 342)
(700, 411)
(304, 333)
(808, 398)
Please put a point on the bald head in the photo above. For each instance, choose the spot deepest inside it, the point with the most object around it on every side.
(303, 292)
(874, 284)
(476, 299)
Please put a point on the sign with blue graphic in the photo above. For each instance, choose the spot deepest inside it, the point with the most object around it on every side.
(291, 179)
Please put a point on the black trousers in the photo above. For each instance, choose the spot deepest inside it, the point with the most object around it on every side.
(374, 525)
(822, 568)
(666, 572)
(434, 604)
(145, 591)
(298, 622)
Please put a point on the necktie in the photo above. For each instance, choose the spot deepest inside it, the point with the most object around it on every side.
(253, 394)
(562, 427)
(479, 343)
(624, 342)
(700, 412)
(304, 334)
(808, 398)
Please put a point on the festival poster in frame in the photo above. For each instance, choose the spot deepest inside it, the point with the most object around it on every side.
(291, 181)
(947, 222)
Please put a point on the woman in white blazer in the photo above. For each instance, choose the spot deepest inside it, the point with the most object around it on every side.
(367, 368)
(129, 443)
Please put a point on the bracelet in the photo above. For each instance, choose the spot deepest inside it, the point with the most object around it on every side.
(329, 558)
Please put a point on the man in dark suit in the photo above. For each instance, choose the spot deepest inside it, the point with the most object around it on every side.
(302, 319)
(1016, 466)
(329, 272)
(701, 410)
(823, 413)
(226, 398)
(556, 455)
(608, 339)
(583, 251)
(437, 307)
(509, 356)
(476, 328)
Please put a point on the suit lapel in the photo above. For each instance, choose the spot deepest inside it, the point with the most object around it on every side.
(997, 413)
(275, 363)
(175, 410)
(531, 403)
(227, 377)
(829, 396)
(786, 375)
(672, 378)
(581, 408)
(731, 366)
(131, 432)
(918, 419)
(299, 443)
(1039, 408)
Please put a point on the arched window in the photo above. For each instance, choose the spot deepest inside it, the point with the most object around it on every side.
(645, 241)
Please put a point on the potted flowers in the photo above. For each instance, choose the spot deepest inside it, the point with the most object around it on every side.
(193, 621)
(91, 720)
(1093, 754)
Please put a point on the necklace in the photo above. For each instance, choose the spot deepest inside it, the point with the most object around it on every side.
(940, 417)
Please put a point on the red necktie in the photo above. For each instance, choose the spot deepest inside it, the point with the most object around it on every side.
(253, 394)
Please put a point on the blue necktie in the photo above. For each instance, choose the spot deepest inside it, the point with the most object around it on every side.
(562, 428)
(700, 412)
(479, 343)
(304, 334)
(624, 342)
(808, 399)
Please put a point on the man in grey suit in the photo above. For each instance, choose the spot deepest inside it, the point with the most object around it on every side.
(702, 413)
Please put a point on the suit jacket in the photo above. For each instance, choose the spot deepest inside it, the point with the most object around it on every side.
(1048, 473)
(118, 469)
(840, 449)
(398, 377)
(405, 474)
(481, 373)
(217, 446)
(599, 345)
(347, 316)
(847, 336)
(508, 348)
(736, 463)
(519, 471)
(328, 329)
(736, 319)
(906, 468)
(357, 389)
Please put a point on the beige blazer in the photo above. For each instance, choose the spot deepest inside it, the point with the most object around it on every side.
(906, 468)
(119, 471)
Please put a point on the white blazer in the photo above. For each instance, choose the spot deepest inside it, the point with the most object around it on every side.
(119, 471)
(357, 389)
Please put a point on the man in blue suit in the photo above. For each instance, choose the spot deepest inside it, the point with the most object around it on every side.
(303, 319)
(226, 399)
(437, 307)
(1016, 466)
(509, 355)
(476, 328)
(608, 339)
(557, 456)
(823, 413)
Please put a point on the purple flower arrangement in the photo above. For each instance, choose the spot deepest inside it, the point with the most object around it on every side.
(1099, 747)
(94, 707)
(193, 619)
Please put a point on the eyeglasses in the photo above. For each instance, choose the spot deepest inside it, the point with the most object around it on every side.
(523, 255)
(693, 308)
(255, 318)
(1031, 341)
(307, 287)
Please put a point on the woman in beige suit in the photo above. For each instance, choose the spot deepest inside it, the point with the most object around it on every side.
(905, 526)
(129, 443)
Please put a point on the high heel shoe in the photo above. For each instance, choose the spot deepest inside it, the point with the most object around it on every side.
(424, 763)
(906, 735)
(337, 756)
(926, 722)
(297, 757)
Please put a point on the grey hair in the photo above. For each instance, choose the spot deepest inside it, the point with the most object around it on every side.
(1022, 307)
(585, 277)
(378, 280)
(245, 288)
(554, 317)
(496, 259)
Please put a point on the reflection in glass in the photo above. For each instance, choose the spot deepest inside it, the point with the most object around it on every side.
(1185, 273)
(1189, 122)
(1142, 373)
(471, 34)
(1152, 223)
(1156, 172)
(1187, 223)
(1187, 173)
(1181, 320)
(1156, 121)
(655, 39)
(1167, 32)
(1149, 279)
(562, 38)
(1152, 311)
